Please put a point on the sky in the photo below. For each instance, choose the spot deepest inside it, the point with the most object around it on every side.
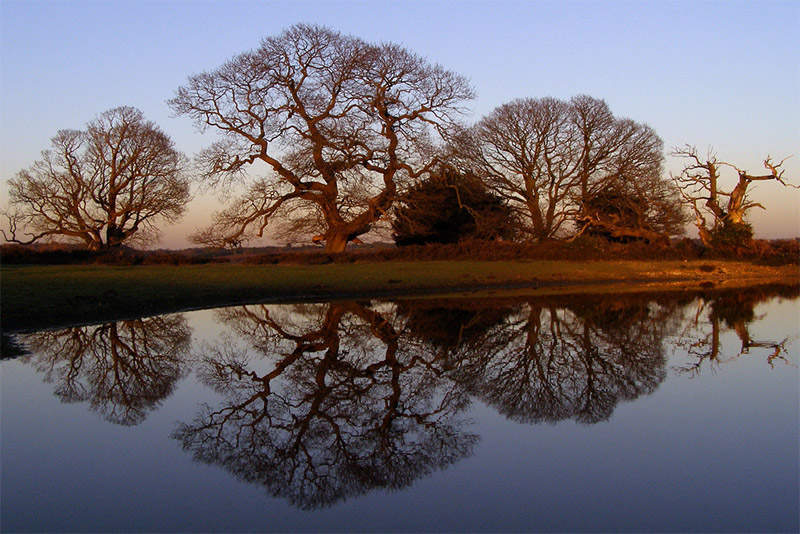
(717, 75)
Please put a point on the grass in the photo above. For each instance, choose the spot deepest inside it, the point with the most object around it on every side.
(36, 297)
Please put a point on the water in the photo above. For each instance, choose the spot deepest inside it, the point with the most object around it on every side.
(649, 412)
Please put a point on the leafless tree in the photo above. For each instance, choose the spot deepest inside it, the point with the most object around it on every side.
(623, 192)
(702, 189)
(339, 123)
(105, 185)
(551, 158)
(526, 151)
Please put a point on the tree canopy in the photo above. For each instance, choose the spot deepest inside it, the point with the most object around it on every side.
(102, 186)
(339, 122)
(550, 159)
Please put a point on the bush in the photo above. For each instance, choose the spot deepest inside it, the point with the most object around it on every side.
(449, 207)
(732, 235)
(584, 248)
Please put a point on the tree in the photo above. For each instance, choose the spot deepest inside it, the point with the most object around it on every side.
(525, 149)
(623, 192)
(338, 122)
(720, 213)
(108, 184)
(647, 208)
(549, 157)
(448, 207)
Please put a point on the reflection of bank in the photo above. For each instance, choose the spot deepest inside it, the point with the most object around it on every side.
(123, 369)
(341, 408)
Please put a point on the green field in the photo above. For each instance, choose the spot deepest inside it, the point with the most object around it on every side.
(35, 297)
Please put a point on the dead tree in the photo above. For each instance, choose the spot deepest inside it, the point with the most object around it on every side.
(714, 207)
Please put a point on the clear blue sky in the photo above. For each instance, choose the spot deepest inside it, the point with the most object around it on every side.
(721, 74)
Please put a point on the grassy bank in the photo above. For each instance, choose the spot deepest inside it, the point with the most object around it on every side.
(35, 297)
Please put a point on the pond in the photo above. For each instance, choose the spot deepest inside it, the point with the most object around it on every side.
(671, 411)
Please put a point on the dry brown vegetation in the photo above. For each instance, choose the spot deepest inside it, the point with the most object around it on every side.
(774, 252)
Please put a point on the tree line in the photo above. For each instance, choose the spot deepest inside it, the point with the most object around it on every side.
(357, 136)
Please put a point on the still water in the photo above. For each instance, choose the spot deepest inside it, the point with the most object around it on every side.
(646, 412)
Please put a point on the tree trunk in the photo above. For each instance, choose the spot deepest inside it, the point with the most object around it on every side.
(114, 236)
(705, 235)
(541, 229)
(335, 242)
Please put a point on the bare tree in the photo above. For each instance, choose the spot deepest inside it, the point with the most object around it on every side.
(102, 186)
(701, 187)
(623, 192)
(527, 151)
(550, 158)
(338, 122)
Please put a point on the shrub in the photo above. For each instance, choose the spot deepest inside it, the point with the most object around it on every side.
(449, 207)
(732, 235)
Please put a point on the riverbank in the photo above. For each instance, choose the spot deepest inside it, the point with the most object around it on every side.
(37, 297)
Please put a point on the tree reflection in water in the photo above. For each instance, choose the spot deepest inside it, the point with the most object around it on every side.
(341, 407)
(551, 359)
(123, 369)
(325, 401)
(734, 310)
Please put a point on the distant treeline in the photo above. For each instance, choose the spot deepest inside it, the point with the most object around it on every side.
(585, 248)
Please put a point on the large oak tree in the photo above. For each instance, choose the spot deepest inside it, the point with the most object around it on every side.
(103, 186)
(338, 123)
(551, 159)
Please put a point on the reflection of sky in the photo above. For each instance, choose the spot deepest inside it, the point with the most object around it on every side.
(710, 452)
(781, 318)
(721, 74)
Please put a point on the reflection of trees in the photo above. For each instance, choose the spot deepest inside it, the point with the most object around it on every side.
(449, 325)
(123, 369)
(325, 401)
(722, 311)
(333, 407)
(554, 359)
(10, 347)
